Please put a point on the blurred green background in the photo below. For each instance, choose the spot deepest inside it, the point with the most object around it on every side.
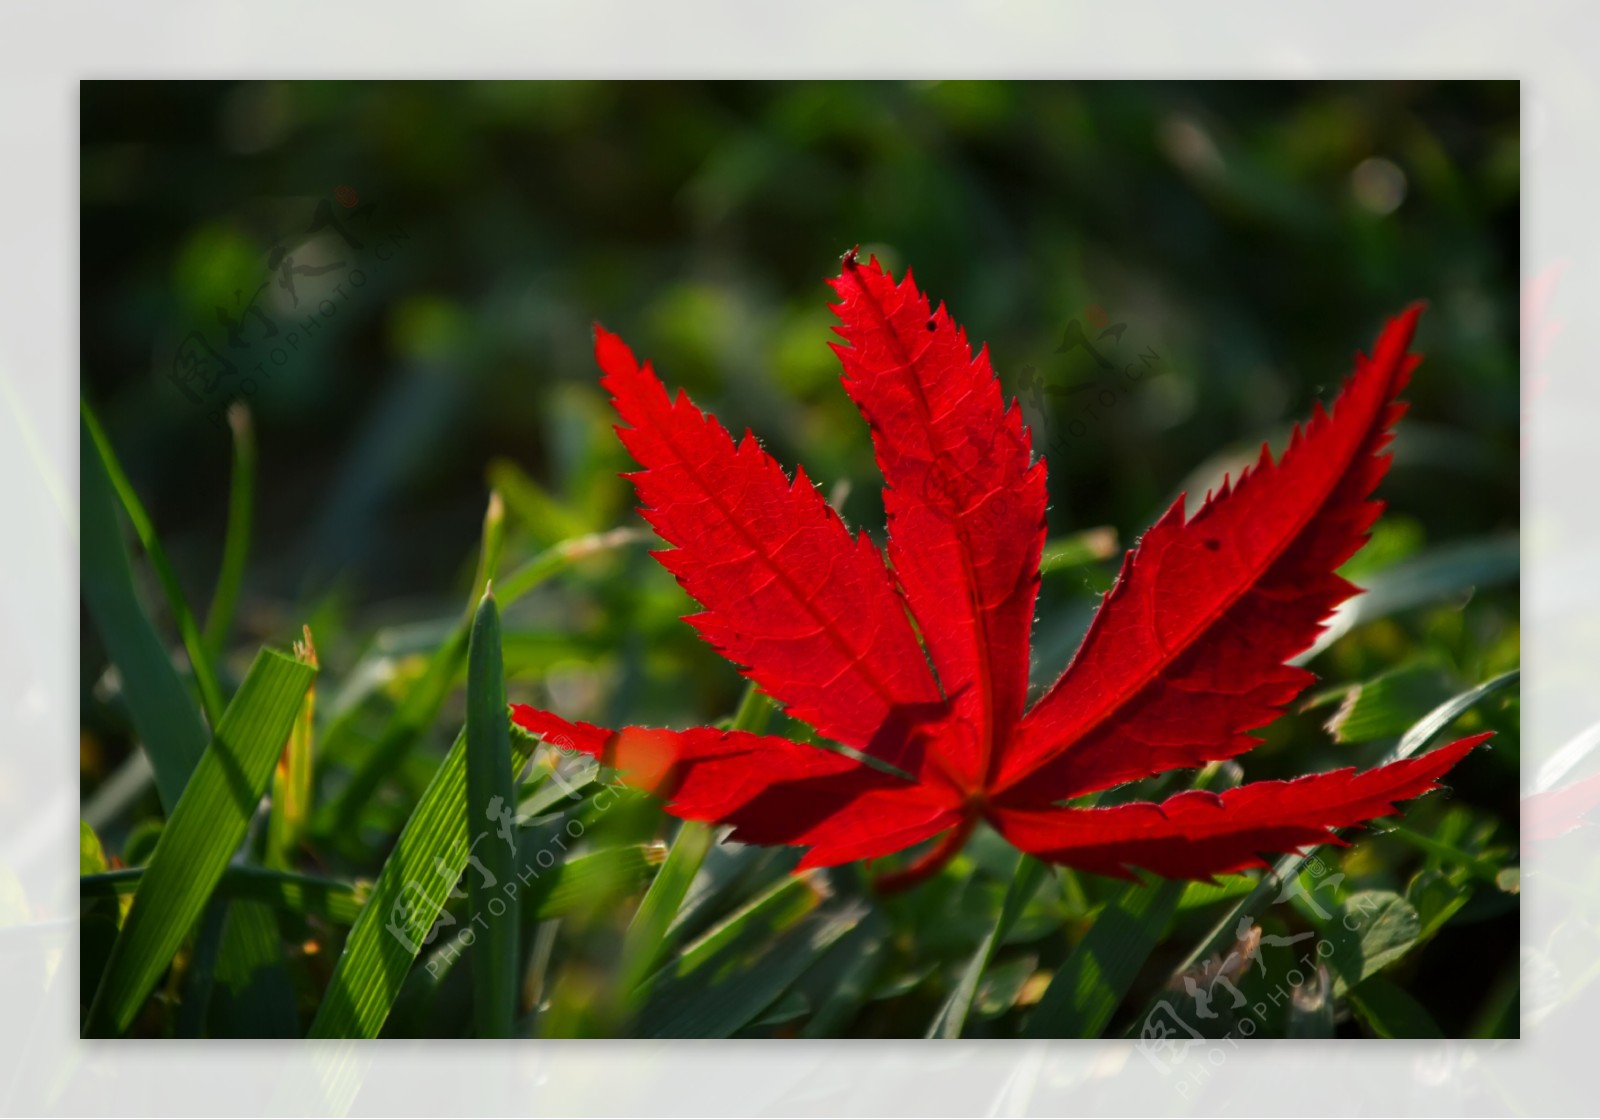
(1250, 235)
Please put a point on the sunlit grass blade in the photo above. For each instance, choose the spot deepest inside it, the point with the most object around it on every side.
(1447, 712)
(546, 518)
(1434, 576)
(737, 969)
(201, 836)
(161, 708)
(491, 796)
(574, 885)
(91, 855)
(648, 941)
(1086, 992)
(407, 898)
(863, 956)
(493, 540)
(425, 700)
(952, 1016)
(1388, 704)
(291, 780)
(205, 677)
(333, 901)
(236, 544)
(1066, 553)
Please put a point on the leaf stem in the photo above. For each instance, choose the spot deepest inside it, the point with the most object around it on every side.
(930, 863)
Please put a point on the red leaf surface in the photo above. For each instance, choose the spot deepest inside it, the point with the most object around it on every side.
(811, 613)
(1198, 834)
(772, 790)
(1187, 652)
(965, 502)
(1186, 656)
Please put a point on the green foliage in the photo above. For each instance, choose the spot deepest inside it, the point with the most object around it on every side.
(203, 832)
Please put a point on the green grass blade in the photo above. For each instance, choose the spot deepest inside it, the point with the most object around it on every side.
(728, 976)
(163, 712)
(236, 544)
(493, 540)
(418, 711)
(410, 893)
(1086, 992)
(1434, 576)
(864, 956)
(574, 885)
(205, 677)
(291, 780)
(952, 1016)
(1447, 712)
(336, 902)
(490, 795)
(648, 937)
(1068, 553)
(1388, 704)
(646, 941)
(204, 831)
(548, 519)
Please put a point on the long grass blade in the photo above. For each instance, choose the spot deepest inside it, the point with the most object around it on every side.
(336, 902)
(411, 891)
(648, 938)
(574, 885)
(291, 781)
(739, 967)
(205, 676)
(952, 1016)
(163, 712)
(491, 795)
(202, 834)
(236, 544)
(493, 540)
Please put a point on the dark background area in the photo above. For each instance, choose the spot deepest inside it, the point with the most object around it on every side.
(1226, 224)
(1250, 236)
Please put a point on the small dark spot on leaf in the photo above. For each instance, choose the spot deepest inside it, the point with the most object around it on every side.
(1211, 544)
(932, 325)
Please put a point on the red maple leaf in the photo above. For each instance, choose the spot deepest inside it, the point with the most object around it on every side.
(919, 668)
